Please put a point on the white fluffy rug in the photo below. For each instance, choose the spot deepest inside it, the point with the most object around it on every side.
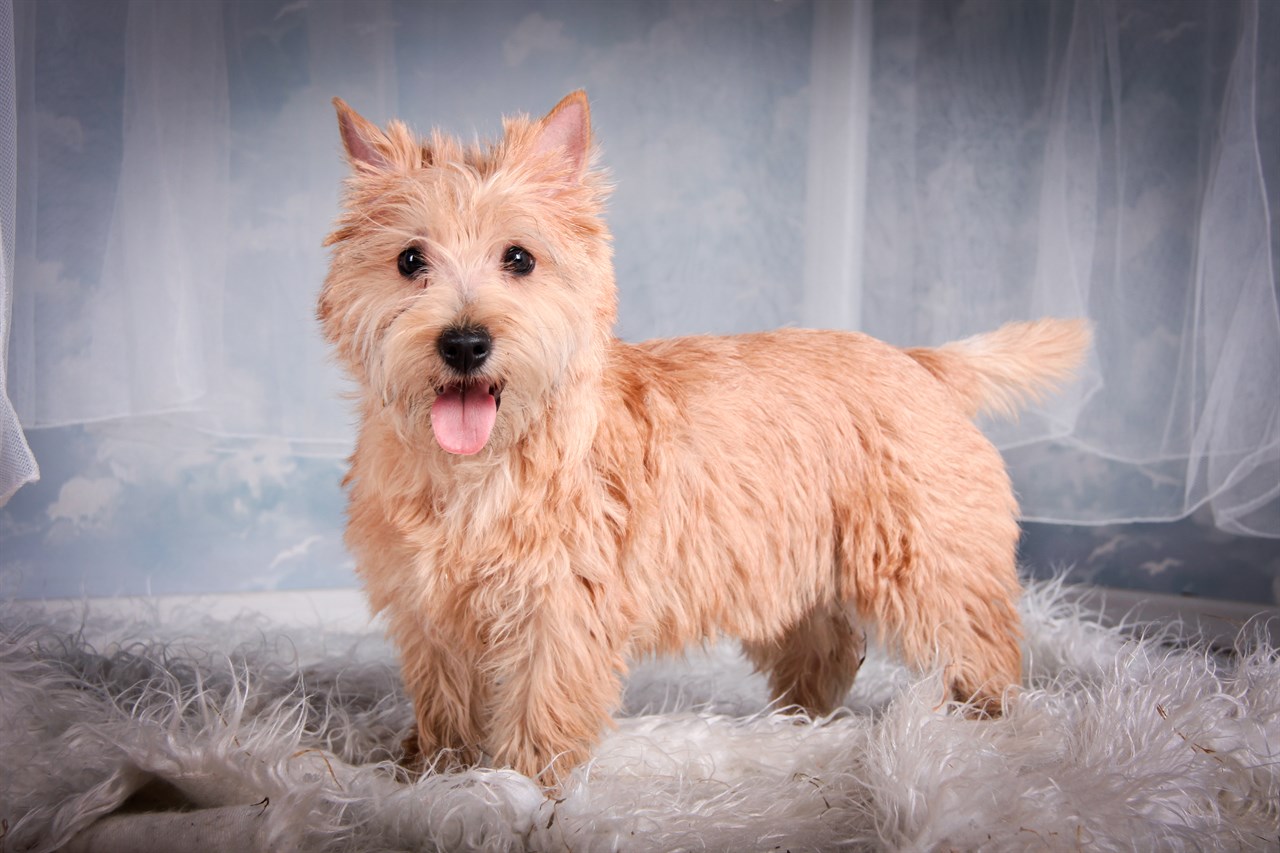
(197, 734)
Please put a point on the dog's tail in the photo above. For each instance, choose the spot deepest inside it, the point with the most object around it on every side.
(998, 372)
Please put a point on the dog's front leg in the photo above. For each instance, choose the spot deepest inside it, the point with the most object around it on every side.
(555, 681)
(440, 677)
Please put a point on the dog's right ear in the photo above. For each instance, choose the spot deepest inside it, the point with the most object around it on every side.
(368, 147)
(565, 133)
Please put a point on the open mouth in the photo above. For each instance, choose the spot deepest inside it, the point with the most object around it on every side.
(463, 415)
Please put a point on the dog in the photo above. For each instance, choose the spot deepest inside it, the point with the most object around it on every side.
(533, 502)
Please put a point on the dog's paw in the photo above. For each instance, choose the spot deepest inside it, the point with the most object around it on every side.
(434, 759)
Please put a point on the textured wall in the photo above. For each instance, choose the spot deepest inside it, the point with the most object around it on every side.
(704, 114)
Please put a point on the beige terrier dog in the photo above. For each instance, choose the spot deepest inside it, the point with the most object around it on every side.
(534, 502)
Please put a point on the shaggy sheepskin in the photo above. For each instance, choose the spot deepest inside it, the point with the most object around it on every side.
(202, 734)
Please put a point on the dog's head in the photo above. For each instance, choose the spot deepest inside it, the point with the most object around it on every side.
(469, 286)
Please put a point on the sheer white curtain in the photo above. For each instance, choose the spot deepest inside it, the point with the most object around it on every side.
(17, 466)
(1116, 160)
(933, 169)
(169, 266)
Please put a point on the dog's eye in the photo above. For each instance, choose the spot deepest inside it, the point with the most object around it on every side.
(411, 262)
(517, 260)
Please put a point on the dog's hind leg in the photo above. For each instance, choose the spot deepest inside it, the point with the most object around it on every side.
(956, 614)
(813, 663)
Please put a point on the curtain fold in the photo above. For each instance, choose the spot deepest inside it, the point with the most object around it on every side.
(923, 171)
(17, 465)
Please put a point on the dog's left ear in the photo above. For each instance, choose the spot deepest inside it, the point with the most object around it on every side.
(566, 132)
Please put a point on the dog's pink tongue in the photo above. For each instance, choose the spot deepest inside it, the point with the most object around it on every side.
(462, 418)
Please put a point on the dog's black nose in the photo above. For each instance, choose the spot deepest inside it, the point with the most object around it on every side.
(465, 349)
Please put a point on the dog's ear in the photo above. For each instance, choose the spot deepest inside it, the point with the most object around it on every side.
(566, 133)
(367, 146)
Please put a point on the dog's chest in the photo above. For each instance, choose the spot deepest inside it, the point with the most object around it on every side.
(505, 529)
